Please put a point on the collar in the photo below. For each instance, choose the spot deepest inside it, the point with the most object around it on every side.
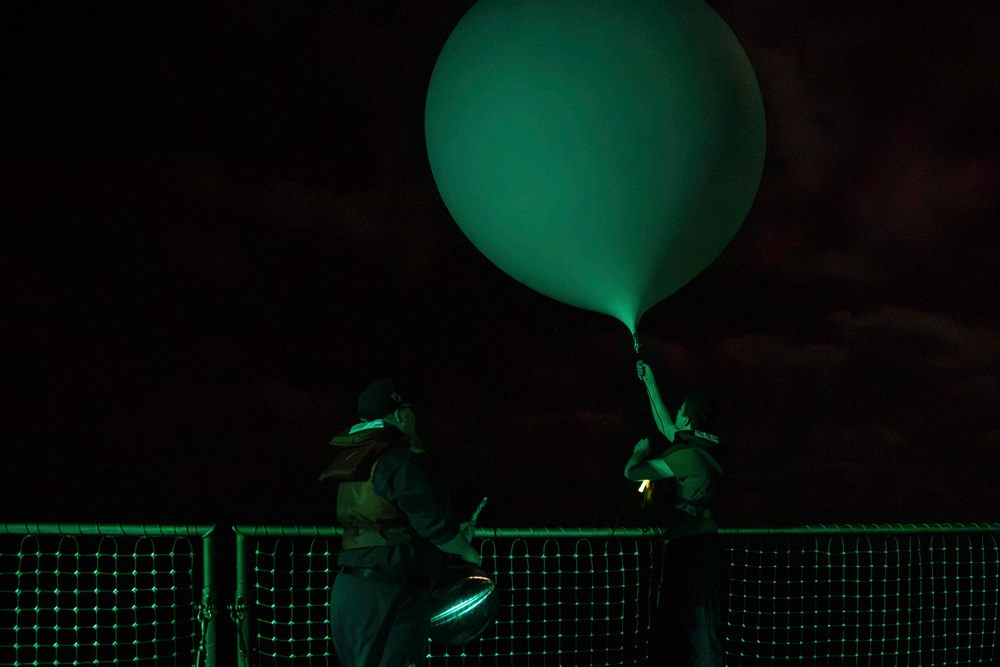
(364, 426)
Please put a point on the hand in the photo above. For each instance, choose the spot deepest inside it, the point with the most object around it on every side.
(638, 456)
(641, 448)
(643, 370)
(470, 554)
(468, 529)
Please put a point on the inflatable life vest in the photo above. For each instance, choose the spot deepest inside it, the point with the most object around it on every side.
(368, 519)
(695, 490)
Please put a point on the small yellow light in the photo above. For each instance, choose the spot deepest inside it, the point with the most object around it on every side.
(642, 487)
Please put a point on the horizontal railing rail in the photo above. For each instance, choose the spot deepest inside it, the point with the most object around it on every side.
(125, 529)
(337, 531)
(506, 532)
(876, 528)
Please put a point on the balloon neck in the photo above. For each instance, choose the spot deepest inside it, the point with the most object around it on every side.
(635, 342)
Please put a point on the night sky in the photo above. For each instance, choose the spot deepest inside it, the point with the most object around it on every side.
(219, 225)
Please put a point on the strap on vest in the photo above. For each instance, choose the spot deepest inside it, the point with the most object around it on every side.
(389, 533)
(377, 534)
(694, 509)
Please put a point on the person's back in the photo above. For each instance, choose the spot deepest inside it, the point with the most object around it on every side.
(398, 528)
(697, 479)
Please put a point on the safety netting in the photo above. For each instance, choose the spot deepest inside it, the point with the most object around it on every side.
(566, 596)
(72, 598)
(914, 596)
(898, 596)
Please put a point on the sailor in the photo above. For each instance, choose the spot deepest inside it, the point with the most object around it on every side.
(684, 631)
(398, 529)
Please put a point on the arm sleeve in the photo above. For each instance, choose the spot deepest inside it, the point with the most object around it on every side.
(653, 469)
(402, 477)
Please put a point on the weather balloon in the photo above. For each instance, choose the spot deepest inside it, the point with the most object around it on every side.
(602, 153)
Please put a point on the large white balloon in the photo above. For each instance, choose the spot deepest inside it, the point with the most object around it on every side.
(602, 153)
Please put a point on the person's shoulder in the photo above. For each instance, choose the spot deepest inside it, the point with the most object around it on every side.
(696, 438)
(684, 453)
(403, 456)
(400, 466)
(365, 433)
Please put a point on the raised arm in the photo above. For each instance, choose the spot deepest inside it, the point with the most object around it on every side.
(661, 415)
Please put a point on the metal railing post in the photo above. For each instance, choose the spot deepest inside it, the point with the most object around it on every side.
(208, 599)
(240, 605)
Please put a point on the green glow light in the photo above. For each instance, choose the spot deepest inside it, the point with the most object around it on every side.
(601, 153)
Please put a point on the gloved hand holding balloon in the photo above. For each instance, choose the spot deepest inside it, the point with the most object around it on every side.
(602, 153)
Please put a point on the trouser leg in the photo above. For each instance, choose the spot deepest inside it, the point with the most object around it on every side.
(685, 629)
(378, 623)
(406, 640)
(705, 640)
(705, 613)
(669, 646)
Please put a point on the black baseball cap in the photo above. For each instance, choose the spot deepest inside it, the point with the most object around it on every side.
(378, 399)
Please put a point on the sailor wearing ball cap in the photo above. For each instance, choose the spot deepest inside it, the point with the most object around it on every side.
(398, 531)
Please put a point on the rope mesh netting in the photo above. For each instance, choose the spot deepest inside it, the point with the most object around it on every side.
(828, 596)
(562, 601)
(858, 596)
(97, 599)
(906, 600)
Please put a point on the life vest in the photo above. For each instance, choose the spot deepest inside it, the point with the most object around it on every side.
(369, 520)
(697, 478)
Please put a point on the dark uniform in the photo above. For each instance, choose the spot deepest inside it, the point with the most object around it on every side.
(688, 610)
(380, 602)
